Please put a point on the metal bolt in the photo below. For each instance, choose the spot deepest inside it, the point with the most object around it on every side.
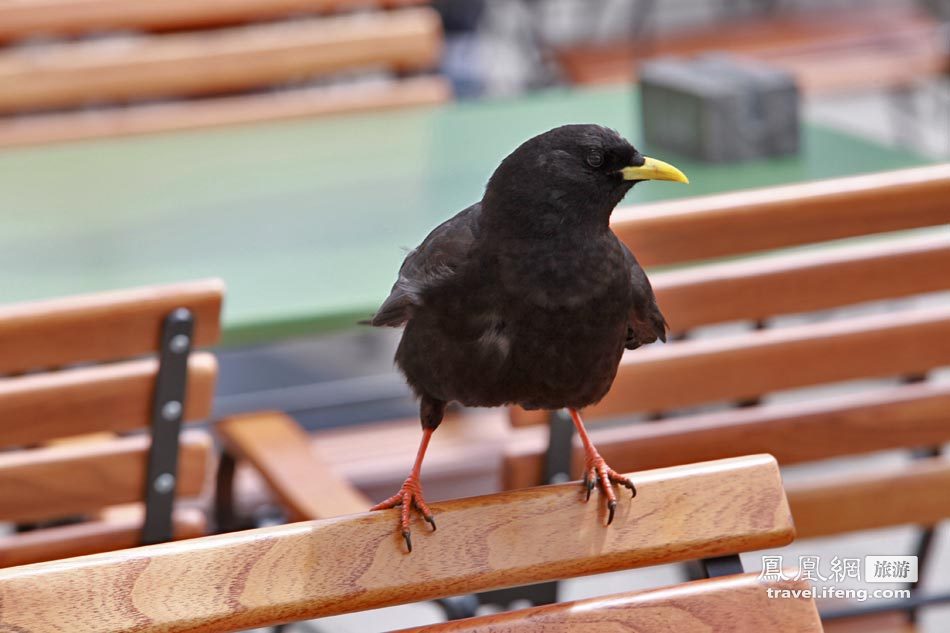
(182, 314)
(164, 483)
(171, 410)
(179, 343)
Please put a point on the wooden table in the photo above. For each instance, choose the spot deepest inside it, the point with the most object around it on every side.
(307, 220)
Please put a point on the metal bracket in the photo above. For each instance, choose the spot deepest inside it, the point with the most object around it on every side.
(722, 566)
(557, 461)
(168, 406)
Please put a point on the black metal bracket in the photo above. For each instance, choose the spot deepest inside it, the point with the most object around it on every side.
(557, 460)
(168, 406)
(722, 566)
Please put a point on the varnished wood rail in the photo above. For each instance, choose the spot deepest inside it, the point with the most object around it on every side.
(306, 570)
(737, 604)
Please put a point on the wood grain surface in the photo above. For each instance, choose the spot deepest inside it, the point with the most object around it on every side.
(306, 570)
(91, 537)
(61, 17)
(75, 479)
(181, 64)
(103, 326)
(773, 217)
(906, 416)
(111, 397)
(279, 449)
(733, 604)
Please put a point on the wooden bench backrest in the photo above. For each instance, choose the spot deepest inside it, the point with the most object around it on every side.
(91, 367)
(752, 364)
(21, 20)
(314, 569)
(184, 64)
(235, 68)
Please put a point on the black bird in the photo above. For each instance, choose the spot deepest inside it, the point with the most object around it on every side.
(528, 297)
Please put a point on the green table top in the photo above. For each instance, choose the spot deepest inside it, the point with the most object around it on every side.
(307, 220)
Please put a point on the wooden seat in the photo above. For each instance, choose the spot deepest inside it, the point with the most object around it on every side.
(76, 368)
(219, 76)
(305, 570)
(825, 50)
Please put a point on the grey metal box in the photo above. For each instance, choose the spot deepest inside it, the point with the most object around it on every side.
(719, 108)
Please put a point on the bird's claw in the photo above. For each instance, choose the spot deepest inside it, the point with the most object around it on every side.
(409, 496)
(598, 473)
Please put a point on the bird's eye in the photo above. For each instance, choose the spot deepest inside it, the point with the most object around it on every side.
(595, 158)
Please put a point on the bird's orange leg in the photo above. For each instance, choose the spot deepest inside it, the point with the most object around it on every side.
(596, 470)
(410, 494)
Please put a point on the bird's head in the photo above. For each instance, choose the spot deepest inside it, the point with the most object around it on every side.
(573, 174)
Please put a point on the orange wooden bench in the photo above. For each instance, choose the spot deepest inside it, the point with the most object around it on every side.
(220, 76)
(314, 569)
(80, 377)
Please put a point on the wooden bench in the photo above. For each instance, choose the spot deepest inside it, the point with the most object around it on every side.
(220, 76)
(307, 570)
(826, 50)
(901, 343)
(680, 238)
(78, 378)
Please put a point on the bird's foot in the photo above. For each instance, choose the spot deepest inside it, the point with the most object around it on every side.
(409, 495)
(597, 472)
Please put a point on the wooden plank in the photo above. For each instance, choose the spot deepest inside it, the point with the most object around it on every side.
(874, 623)
(914, 493)
(75, 479)
(114, 397)
(279, 449)
(221, 111)
(306, 570)
(748, 365)
(209, 62)
(68, 17)
(906, 416)
(816, 279)
(103, 326)
(738, 604)
(762, 219)
(91, 537)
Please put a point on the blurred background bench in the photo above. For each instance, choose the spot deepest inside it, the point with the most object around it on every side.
(239, 72)
(82, 376)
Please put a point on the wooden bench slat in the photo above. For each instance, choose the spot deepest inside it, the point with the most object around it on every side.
(279, 449)
(103, 326)
(738, 604)
(229, 59)
(749, 365)
(914, 493)
(59, 17)
(75, 479)
(91, 537)
(906, 416)
(305, 570)
(774, 217)
(113, 397)
(816, 279)
(220, 111)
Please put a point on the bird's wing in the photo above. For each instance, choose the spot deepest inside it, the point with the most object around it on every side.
(433, 263)
(646, 323)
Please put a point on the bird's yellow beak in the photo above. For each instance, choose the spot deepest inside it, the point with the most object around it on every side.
(653, 169)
